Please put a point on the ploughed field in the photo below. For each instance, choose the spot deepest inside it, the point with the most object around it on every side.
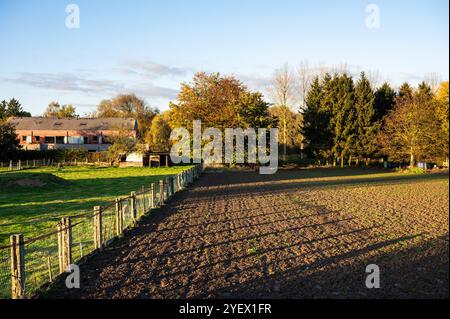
(296, 234)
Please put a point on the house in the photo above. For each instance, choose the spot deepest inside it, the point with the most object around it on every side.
(92, 134)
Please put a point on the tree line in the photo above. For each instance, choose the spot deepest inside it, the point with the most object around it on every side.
(330, 117)
(346, 122)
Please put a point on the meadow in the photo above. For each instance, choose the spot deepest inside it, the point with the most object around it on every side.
(32, 201)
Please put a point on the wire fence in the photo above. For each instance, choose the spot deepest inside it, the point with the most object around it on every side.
(27, 164)
(38, 163)
(28, 264)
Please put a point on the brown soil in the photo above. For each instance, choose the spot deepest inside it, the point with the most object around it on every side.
(290, 235)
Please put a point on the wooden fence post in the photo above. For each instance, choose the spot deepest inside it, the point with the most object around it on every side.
(182, 180)
(161, 192)
(143, 199)
(119, 217)
(133, 205)
(153, 190)
(17, 267)
(64, 244)
(98, 236)
(167, 188)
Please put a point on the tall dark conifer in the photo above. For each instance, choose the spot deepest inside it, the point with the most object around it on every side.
(344, 118)
(384, 101)
(315, 121)
(366, 126)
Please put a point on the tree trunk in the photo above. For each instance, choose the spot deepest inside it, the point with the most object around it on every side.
(284, 134)
(350, 161)
(412, 161)
(367, 161)
(342, 160)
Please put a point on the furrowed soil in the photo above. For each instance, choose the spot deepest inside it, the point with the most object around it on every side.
(295, 234)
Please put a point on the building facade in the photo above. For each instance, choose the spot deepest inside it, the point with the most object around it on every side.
(92, 134)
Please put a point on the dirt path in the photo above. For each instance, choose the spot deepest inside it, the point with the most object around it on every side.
(243, 235)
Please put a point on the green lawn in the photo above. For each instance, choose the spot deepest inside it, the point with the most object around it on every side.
(32, 201)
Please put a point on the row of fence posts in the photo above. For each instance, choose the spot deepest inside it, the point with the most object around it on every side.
(167, 188)
(26, 164)
(19, 165)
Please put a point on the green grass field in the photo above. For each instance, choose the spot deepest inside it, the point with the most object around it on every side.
(32, 201)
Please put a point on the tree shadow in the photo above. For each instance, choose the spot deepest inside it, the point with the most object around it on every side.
(157, 260)
(402, 275)
(248, 183)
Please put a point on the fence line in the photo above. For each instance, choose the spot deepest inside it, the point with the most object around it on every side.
(44, 162)
(27, 264)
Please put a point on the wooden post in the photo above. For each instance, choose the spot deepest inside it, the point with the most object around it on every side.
(133, 205)
(17, 267)
(167, 188)
(64, 244)
(150, 198)
(98, 235)
(119, 218)
(161, 192)
(153, 190)
(49, 266)
(143, 199)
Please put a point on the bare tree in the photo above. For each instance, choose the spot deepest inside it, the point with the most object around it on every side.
(433, 79)
(341, 68)
(374, 78)
(305, 76)
(284, 95)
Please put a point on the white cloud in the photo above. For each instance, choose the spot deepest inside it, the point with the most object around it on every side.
(149, 68)
(89, 86)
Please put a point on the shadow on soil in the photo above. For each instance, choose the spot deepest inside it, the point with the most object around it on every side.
(248, 183)
(401, 276)
(407, 271)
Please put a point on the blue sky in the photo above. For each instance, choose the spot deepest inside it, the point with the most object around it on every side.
(150, 47)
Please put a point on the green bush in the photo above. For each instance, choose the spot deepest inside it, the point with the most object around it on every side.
(72, 155)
